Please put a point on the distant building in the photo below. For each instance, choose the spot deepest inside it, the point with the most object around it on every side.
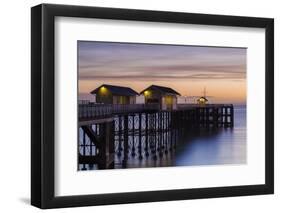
(110, 94)
(164, 96)
(202, 100)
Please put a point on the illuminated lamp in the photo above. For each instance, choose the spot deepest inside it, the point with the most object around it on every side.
(146, 93)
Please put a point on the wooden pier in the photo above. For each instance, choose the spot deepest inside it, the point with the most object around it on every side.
(141, 131)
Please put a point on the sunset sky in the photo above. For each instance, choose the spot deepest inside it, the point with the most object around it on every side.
(186, 69)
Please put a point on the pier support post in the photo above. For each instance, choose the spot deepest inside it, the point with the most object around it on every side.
(133, 136)
(126, 145)
(154, 136)
(84, 148)
(171, 130)
(146, 135)
(161, 132)
(119, 153)
(106, 151)
(231, 116)
(166, 131)
(140, 137)
(207, 117)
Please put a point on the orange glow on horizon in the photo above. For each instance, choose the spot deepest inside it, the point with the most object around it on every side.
(217, 90)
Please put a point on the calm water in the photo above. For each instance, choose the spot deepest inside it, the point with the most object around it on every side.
(226, 146)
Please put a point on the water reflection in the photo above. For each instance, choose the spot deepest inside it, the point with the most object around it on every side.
(225, 146)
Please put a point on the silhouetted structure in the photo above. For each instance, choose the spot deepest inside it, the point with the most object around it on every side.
(120, 128)
(110, 94)
(165, 97)
(139, 131)
(202, 100)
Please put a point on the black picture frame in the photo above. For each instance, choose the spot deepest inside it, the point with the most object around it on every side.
(43, 117)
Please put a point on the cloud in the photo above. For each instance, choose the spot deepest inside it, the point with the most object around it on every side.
(140, 62)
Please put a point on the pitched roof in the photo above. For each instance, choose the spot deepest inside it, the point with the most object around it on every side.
(117, 90)
(162, 89)
(202, 97)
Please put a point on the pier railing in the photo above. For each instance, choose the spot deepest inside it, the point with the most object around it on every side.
(190, 106)
(95, 111)
(92, 110)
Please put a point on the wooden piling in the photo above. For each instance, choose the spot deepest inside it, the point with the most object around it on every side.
(140, 137)
(125, 133)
